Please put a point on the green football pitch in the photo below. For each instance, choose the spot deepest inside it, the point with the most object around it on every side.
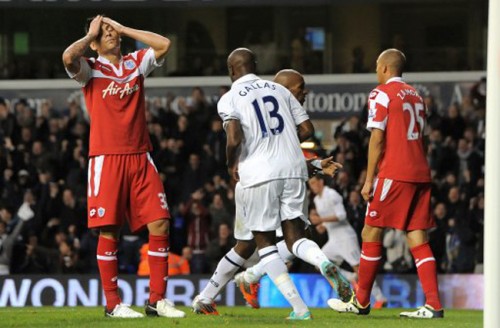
(230, 317)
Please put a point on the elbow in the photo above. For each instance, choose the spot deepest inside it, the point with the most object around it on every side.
(67, 59)
(165, 46)
(306, 130)
(308, 133)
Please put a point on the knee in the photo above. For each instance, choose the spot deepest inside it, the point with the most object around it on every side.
(245, 249)
(159, 227)
(110, 232)
(371, 234)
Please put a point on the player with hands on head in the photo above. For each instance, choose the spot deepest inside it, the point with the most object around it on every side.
(399, 194)
(123, 182)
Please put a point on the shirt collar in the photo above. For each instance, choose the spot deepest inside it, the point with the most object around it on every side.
(395, 79)
(246, 78)
(106, 61)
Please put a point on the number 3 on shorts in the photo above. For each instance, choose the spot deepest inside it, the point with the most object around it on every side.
(163, 200)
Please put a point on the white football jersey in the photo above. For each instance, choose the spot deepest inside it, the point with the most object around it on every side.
(269, 115)
(330, 203)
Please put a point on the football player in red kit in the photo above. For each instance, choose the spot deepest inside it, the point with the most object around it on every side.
(123, 182)
(399, 194)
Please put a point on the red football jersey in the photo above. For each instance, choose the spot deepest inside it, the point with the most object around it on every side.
(114, 96)
(398, 110)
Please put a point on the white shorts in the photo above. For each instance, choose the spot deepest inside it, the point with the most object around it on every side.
(345, 248)
(267, 204)
(241, 232)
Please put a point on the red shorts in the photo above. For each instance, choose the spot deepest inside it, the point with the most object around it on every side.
(400, 205)
(125, 187)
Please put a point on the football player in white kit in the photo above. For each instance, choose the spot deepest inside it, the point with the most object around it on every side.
(261, 120)
(228, 266)
(342, 242)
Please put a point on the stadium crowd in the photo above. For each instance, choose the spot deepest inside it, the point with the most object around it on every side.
(43, 160)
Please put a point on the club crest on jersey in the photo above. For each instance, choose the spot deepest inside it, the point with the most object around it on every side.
(129, 64)
(373, 94)
(92, 212)
(101, 211)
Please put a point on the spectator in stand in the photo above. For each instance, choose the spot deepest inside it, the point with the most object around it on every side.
(215, 145)
(198, 232)
(452, 246)
(219, 246)
(8, 122)
(437, 236)
(24, 114)
(219, 215)
(476, 208)
(453, 124)
(455, 206)
(193, 177)
(72, 213)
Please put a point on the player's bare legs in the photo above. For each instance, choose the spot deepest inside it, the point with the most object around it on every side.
(225, 271)
(157, 304)
(308, 251)
(278, 273)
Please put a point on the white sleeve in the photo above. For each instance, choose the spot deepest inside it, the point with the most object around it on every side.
(378, 104)
(84, 75)
(148, 61)
(298, 112)
(338, 207)
(227, 110)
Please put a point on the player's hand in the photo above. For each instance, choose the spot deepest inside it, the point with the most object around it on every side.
(329, 166)
(95, 27)
(314, 218)
(367, 191)
(119, 28)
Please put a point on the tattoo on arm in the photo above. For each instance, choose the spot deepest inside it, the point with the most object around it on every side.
(74, 52)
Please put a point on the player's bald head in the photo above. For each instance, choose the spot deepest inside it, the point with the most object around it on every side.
(241, 61)
(288, 77)
(394, 59)
(294, 82)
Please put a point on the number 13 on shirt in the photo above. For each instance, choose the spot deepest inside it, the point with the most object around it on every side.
(273, 113)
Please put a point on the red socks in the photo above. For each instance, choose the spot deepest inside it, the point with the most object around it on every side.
(108, 269)
(426, 268)
(371, 254)
(158, 267)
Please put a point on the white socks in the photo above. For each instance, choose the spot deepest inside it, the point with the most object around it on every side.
(277, 271)
(308, 251)
(253, 274)
(224, 272)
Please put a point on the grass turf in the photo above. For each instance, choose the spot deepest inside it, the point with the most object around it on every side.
(230, 317)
